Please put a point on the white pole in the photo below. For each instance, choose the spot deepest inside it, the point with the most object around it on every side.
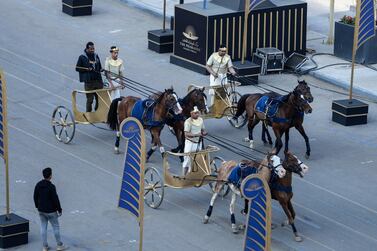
(330, 39)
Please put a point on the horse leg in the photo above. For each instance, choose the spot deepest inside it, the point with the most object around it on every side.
(264, 133)
(231, 209)
(209, 211)
(117, 141)
(278, 141)
(252, 123)
(285, 206)
(154, 145)
(245, 209)
(301, 130)
(162, 149)
(286, 140)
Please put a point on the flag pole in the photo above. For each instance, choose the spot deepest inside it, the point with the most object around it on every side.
(247, 6)
(354, 49)
(5, 144)
(164, 18)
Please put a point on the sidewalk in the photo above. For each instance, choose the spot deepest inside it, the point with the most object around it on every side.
(365, 78)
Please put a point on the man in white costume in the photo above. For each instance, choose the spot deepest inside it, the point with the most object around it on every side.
(218, 65)
(113, 70)
(194, 130)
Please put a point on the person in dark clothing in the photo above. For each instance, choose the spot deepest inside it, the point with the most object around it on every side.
(89, 68)
(47, 202)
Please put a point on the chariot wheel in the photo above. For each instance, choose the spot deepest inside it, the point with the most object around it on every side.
(234, 97)
(215, 165)
(153, 188)
(63, 124)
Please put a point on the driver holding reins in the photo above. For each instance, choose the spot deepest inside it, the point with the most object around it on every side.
(194, 132)
(218, 64)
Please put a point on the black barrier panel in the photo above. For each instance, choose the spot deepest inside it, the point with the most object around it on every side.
(190, 36)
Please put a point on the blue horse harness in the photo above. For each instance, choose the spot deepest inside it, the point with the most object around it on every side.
(240, 172)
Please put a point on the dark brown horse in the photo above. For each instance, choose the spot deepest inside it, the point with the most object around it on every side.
(297, 122)
(121, 108)
(296, 101)
(195, 97)
(281, 189)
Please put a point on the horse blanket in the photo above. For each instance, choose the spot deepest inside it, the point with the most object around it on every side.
(143, 110)
(240, 172)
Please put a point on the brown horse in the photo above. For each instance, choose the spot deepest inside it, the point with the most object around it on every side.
(290, 104)
(121, 108)
(281, 189)
(227, 173)
(195, 97)
(297, 122)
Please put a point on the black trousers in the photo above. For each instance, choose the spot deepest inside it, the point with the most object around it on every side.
(90, 86)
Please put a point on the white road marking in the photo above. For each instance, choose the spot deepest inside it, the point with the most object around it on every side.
(115, 31)
(367, 162)
(337, 222)
(38, 64)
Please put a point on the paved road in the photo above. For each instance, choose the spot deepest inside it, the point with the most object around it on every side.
(335, 203)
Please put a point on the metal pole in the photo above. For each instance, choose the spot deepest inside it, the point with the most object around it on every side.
(330, 39)
(5, 143)
(247, 4)
(204, 4)
(181, 1)
(164, 19)
(354, 49)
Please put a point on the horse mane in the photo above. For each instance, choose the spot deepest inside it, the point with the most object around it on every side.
(162, 94)
(186, 98)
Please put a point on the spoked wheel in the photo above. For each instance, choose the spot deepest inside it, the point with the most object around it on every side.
(215, 165)
(63, 124)
(153, 188)
(234, 97)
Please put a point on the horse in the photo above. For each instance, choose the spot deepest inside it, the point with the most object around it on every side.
(297, 122)
(122, 108)
(195, 97)
(297, 100)
(281, 189)
(233, 173)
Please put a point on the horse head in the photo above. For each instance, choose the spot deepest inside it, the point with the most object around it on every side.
(292, 164)
(171, 101)
(275, 165)
(303, 90)
(301, 103)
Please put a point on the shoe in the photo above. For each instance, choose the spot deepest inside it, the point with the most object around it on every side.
(61, 248)
(45, 248)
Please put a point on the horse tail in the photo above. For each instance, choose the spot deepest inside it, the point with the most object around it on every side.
(241, 105)
(112, 116)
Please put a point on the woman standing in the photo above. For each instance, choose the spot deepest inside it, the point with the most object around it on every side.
(113, 70)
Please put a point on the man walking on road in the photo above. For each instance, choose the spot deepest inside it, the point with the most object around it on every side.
(89, 68)
(47, 202)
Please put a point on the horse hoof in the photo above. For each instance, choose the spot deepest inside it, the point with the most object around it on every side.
(307, 156)
(243, 212)
(241, 227)
(116, 150)
(298, 238)
(246, 139)
(205, 220)
(285, 223)
(251, 144)
(234, 230)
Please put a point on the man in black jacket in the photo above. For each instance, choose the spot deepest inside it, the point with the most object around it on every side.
(89, 68)
(47, 202)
